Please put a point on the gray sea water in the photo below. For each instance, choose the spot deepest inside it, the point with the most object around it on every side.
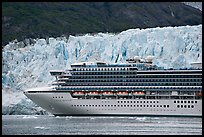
(99, 125)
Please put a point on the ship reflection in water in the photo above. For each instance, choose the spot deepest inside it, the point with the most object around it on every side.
(99, 125)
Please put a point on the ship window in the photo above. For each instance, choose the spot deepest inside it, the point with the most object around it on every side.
(168, 106)
(195, 101)
(181, 106)
(191, 101)
(189, 106)
(147, 105)
(181, 101)
(164, 105)
(178, 106)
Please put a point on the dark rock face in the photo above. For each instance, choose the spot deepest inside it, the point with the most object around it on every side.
(21, 20)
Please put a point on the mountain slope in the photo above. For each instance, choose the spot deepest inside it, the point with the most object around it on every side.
(44, 19)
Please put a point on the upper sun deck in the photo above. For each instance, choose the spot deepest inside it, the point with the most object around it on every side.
(138, 65)
(88, 64)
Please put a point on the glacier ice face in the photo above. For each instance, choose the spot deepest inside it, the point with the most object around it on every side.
(28, 66)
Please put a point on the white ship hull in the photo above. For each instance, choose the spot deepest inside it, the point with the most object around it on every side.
(63, 104)
(139, 88)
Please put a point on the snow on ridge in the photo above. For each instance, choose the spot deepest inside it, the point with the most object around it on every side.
(28, 66)
(197, 5)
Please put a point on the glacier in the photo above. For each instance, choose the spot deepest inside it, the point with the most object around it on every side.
(27, 64)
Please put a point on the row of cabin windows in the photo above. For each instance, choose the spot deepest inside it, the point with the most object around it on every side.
(104, 73)
(137, 101)
(164, 106)
(156, 101)
(74, 76)
(132, 84)
(184, 101)
(58, 97)
(135, 80)
(98, 69)
(185, 106)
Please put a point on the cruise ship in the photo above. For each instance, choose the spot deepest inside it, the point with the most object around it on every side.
(134, 88)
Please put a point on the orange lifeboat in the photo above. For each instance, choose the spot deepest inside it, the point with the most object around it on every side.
(94, 93)
(78, 93)
(107, 93)
(199, 94)
(122, 93)
(138, 93)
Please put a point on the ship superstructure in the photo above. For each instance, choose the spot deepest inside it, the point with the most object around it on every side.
(134, 88)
